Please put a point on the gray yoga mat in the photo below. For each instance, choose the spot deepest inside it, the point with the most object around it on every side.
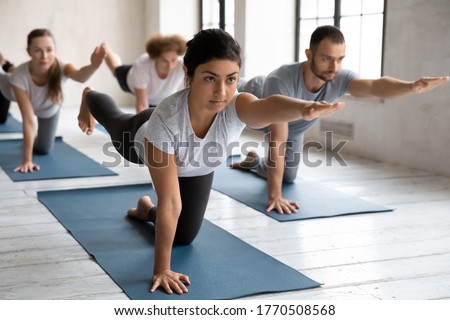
(220, 265)
(11, 125)
(62, 162)
(316, 201)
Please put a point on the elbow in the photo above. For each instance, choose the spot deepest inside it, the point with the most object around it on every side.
(258, 125)
(78, 79)
(82, 79)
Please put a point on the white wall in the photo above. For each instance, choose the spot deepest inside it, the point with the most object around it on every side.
(265, 29)
(80, 25)
(172, 16)
(412, 131)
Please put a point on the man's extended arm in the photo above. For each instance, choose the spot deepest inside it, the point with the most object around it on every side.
(388, 87)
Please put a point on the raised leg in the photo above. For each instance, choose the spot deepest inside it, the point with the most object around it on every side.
(112, 59)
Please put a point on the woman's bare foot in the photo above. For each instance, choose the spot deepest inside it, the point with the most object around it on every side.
(250, 161)
(142, 211)
(86, 121)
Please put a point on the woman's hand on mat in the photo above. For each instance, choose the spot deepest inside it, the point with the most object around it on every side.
(170, 281)
(282, 206)
(27, 167)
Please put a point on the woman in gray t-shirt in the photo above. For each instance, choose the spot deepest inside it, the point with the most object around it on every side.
(185, 137)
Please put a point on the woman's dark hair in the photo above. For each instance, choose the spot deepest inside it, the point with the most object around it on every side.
(325, 32)
(54, 91)
(208, 45)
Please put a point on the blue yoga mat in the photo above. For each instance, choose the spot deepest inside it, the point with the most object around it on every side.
(11, 125)
(98, 126)
(62, 162)
(219, 265)
(316, 201)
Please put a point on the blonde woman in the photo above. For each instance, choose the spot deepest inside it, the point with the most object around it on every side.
(37, 87)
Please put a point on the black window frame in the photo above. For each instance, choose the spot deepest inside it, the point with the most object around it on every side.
(337, 23)
(221, 14)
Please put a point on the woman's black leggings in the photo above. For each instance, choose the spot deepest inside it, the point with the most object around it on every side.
(4, 108)
(122, 127)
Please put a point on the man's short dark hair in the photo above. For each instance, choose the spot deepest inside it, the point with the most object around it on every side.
(323, 32)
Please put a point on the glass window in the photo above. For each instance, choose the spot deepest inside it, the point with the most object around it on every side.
(307, 26)
(361, 22)
(229, 16)
(317, 8)
(313, 13)
(211, 14)
(350, 7)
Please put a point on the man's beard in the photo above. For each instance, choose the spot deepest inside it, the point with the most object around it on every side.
(317, 74)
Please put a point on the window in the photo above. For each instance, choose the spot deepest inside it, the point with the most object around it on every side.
(361, 22)
(218, 14)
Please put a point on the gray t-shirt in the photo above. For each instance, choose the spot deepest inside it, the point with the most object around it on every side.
(169, 129)
(288, 81)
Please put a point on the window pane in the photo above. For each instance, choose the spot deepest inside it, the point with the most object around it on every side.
(211, 15)
(371, 45)
(316, 8)
(325, 8)
(351, 28)
(307, 27)
(372, 6)
(350, 7)
(326, 22)
(211, 12)
(308, 8)
(361, 22)
(229, 16)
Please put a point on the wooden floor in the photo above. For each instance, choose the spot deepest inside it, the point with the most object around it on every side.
(404, 254)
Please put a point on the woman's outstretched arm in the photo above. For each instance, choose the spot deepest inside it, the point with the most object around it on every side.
(84, 73)
(259, 113)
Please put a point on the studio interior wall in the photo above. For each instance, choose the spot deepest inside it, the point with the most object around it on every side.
(265, 30)
(80, 25)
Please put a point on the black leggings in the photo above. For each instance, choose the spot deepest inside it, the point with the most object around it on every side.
(122, 127)
(4, 108)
